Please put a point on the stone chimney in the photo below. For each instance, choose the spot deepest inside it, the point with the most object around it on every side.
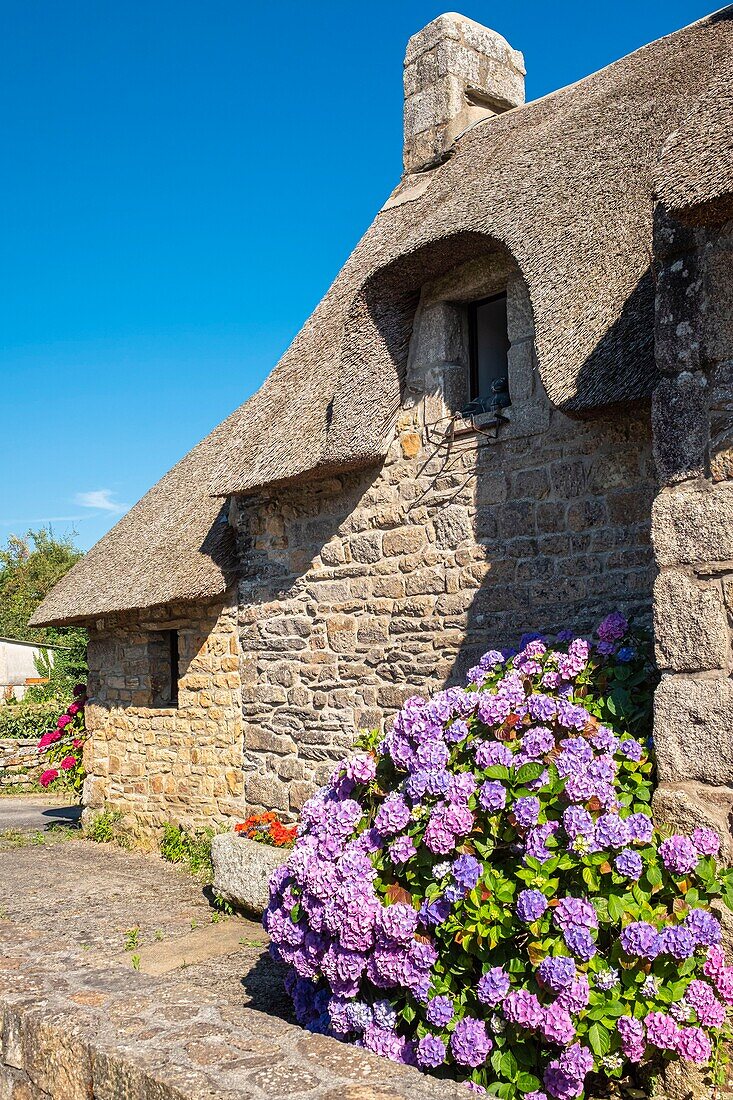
(456, 72)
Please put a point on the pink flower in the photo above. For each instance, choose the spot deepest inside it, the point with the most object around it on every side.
(77, 743)
(48, 738)
(68, 762)
(73, 709)
(48, 777)
(63, 721)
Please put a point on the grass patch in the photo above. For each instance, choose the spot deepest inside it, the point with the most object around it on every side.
(191, 848)
(104, 828)
(52, 834)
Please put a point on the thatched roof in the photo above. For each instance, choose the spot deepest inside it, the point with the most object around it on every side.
(564, 183)
(695, 172)
(175, 544)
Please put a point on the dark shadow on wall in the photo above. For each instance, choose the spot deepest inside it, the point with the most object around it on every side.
(564, 515)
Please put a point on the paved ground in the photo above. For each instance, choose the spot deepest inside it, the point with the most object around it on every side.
(118, 978)
(26, 813)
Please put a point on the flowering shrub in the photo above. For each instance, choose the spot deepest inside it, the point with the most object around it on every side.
(267, 829)
(481, 892)
(63, 746)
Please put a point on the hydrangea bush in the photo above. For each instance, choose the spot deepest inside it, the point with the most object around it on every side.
(63, 746)
(481, 892)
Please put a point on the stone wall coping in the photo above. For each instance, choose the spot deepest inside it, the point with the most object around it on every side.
(242, 870)
(72, 1030)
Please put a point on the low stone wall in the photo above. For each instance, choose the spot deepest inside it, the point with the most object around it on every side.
(20, 764)
(71, 1030)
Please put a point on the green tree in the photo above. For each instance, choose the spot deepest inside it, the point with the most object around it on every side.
(29, 568)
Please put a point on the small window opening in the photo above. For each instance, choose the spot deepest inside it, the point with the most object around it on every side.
(164, 656)
(488, 345)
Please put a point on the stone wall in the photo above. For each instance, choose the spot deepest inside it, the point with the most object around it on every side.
(693, 524)
(360, 590)
(178, 762)
(20, 765)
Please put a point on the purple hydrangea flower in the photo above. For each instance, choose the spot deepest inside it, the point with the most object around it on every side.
(490, 753)
(612, 831)
(467, 871)
(693, 1045)
(541, 708)
(679, 854)
(457, 731)
(677, 941)
(493, 986)
(633, 1042)
(385, 1016)
(434, 912)
(358, 1014)
(460, 787)
(492, 795)
(613, 627)
(470, 1043)
(557, 1026)
(640, 939)
(629, 864)
(577, 822)
(661, 1030)
(580, 941)
(538, 741)
(522, 1008)
(531, 904)
(526, 811)
(430, 1052)
(439, 1011)
(704, 927)
(575, 911)
(557, 972)
(576, 998)
(398, 922)
(706, 841)
(606, 979)
(640, 828)
(392, 816)
(361, 767)
(632, 749)
(402, 849)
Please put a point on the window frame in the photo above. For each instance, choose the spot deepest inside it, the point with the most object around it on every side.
(174, 658)
(473, 369)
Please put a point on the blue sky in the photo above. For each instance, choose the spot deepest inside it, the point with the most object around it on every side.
(182, 181)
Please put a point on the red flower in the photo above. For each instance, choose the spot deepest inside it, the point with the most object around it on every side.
(63, 721)
(77, 743)
(73, 709)
(48, 738)
(68, 762)
(48, 777)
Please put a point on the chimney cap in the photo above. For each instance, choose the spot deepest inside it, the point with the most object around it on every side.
(456, 71)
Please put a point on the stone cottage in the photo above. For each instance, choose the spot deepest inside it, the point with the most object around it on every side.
(513, 410)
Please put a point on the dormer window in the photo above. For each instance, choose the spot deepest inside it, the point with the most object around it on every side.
(488, 345)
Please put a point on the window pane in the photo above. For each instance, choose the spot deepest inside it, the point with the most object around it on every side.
(491, 346)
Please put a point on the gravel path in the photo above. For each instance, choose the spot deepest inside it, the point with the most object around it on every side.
(31, 813)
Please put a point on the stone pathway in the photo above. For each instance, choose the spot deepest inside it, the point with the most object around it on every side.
(117, 978)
